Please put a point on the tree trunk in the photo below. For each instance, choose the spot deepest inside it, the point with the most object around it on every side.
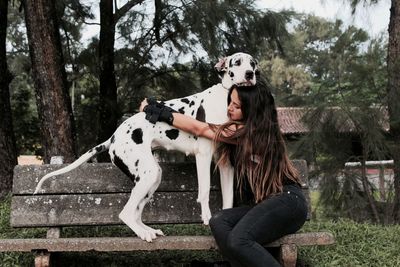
(108, 106)
(52, 98)
(393, 61)
(8, 154)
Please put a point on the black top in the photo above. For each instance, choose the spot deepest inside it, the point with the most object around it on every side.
(244, 196)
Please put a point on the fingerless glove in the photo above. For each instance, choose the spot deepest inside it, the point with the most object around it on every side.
(156, 111)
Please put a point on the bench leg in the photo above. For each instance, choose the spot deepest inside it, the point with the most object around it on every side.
(42, 259)
(288, 255)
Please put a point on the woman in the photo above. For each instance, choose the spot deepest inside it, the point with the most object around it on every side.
(268, 198)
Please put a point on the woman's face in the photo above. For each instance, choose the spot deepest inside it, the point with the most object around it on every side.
(234, 108)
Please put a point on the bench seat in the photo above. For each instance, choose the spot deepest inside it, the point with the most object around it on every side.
(94, 194)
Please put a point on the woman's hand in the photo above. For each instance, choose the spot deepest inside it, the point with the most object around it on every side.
(143, 104)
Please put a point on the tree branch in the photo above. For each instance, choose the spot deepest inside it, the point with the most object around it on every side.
(125, 8)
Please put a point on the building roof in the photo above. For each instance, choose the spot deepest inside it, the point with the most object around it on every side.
(290, 119)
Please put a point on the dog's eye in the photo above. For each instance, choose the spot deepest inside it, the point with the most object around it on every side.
(257, 72)
(238, 62)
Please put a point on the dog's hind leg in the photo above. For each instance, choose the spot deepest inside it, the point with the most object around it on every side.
(203, 163)
(141, 193)
(153, 232)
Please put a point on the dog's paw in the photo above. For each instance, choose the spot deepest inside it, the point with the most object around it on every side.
(206, 218)
(159, 232)
(149, 234)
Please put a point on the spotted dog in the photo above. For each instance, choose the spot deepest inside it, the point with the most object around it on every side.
(130, 147)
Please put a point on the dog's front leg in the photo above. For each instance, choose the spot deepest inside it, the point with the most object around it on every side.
(203, 163)
(226, 177)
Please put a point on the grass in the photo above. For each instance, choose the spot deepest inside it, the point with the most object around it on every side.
(356, 245)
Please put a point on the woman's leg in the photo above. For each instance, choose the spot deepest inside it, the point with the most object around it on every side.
(221, 225)
(269, 220)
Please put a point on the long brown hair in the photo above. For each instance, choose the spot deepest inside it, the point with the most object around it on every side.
(260, 153)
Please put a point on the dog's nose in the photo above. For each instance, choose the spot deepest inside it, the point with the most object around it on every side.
(249, 75)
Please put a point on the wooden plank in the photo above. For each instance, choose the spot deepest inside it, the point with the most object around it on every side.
(102, 177)
(161, 243)
(105, 177)
(109, 244)
(103, 209)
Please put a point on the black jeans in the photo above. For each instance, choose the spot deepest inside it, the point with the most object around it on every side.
(241, 231)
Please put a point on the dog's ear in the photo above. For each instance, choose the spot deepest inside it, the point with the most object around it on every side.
(220, 67)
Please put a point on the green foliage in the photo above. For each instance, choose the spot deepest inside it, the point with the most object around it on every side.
(153, 43)
(341, 74)
(357, 244)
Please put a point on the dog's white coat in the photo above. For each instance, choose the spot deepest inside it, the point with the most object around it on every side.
(130, 147)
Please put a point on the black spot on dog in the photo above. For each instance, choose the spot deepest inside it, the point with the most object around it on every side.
(231, 74)
(137, 179)
(147, 195)
(195, 137)
(230, 63)
(192, 112)
(171, 104)
(136, 163)
(182, 110)
(137, 136)
(112, 139)
(122, 166)
(172, 134)
(191, 103)
(99, 148)
(185, 100)
(127, 131)
(90, 150)
(201, 102)
(253, 64)
(201, 114)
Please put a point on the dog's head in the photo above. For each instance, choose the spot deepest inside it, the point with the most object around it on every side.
(239, 68)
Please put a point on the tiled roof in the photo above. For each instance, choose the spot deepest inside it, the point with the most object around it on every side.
(290, 120)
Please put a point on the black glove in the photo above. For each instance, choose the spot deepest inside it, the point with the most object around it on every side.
(156, 111)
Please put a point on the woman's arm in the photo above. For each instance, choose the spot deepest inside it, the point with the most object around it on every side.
(193, 126)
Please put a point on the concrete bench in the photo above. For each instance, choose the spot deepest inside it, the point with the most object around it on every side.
(95, 193)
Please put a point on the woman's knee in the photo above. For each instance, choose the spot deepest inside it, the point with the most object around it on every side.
(236, 242)
(216, 220)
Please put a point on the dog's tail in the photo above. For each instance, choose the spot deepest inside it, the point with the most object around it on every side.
(82, 159)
